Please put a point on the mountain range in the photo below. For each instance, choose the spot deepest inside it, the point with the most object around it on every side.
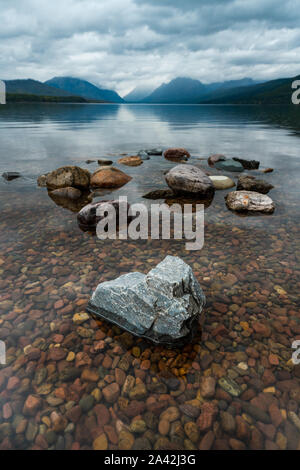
(184, 90)
(87, 90)
(181, 90)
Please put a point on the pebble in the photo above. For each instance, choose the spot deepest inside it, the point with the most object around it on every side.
(230, 386)
(100, 443)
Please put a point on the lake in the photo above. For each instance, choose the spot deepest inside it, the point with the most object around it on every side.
(69, 384)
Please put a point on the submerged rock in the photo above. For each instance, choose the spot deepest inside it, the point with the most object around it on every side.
(70, 198)
(155, 151)
(222, 182)
(131, 161)
(68, 176)
(250, 183)
(217, 157)
(11, 175)
(164, 306)
(229, 165)
(109, 178)
(188, 179)
(176, 154)
(159, 194)
(88, 219)
(143, 155)
(251, 201)
(248, 164)
(104, 162)
(68, 192)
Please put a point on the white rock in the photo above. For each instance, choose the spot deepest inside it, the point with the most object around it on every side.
(249, 201)
(222, 182)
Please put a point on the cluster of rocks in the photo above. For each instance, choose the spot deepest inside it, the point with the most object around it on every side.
(73, 187)
(70, 186)
(189, 181)
(250, 192)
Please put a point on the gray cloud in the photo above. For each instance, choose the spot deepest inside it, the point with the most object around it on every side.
(124, 43)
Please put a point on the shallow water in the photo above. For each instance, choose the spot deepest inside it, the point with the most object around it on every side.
(248, 268)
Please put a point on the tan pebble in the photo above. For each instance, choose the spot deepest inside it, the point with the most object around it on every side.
(80, 318)
(126, 440)
(281, 441)
(46, 420)
(269, 390)
(70, 356)
(136, 352)
(283, 413)
(163, 427)
(100, 443)
(97, 394)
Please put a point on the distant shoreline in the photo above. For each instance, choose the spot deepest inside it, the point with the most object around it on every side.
(30, 98)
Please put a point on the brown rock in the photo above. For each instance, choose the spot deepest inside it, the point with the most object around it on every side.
(131, 161)
(206, 418)
(208, 386)
(68, 192)
(176, 153)
(109, 178)
(102, 414)
(100, 443)
(31, 405)
(207, 441)
(68, 176)
(111, 392)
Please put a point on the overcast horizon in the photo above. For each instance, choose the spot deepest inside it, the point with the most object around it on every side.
(121, 44)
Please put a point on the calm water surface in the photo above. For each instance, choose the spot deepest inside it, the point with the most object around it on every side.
(67, 385)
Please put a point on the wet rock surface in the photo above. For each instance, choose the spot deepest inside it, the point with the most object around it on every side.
(250, 201)
(248, 164)
(176, 154)
(159, 194)
(11, 175)
(109, 178)
(229, 165)
(189, 180)
(68, 193)
(250, 183)
(68, 176)
(104, 161)
(222, 182)
(164, 306)
(88, 217)
(131, 161)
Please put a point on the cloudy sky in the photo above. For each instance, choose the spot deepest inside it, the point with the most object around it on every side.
(121, 44)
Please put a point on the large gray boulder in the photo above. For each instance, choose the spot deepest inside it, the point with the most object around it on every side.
(189, 179)
(164, 306)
